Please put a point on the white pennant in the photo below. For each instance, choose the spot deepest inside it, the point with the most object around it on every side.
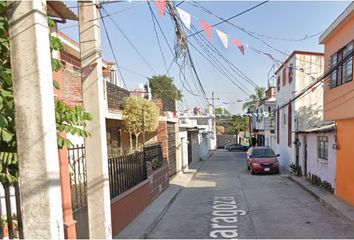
(223, 37)
(185, 17)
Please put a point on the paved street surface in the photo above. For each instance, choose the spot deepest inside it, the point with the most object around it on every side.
(275, 207)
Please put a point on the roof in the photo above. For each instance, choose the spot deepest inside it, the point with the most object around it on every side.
(58, 9)
(326, 128)
(298, 52)
(347, 14)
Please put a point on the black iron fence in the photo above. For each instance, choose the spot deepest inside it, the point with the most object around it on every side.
(125, 172)
(78, 180)
(153, 154)
(11, 220)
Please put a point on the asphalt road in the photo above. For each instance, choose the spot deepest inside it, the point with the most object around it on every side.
(224, 201)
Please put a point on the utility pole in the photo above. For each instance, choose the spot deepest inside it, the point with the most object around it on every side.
(214, 120)
(98, 195)
(37, 148)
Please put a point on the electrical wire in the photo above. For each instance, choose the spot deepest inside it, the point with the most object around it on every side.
(111, 47)
(130, 42)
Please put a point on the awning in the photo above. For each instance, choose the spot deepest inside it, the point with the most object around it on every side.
(322, 129)
(58, 9)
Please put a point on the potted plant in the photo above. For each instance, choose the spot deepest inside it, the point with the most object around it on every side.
(295, 169)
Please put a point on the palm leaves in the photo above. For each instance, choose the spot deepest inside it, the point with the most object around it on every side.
(254, 99)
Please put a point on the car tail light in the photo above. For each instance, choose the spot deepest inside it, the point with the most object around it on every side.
(256, 164)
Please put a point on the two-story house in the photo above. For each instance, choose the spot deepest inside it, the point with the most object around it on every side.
(299, 70)
(338, 40)
(263, 120)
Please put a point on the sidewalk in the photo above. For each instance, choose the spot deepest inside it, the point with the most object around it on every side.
(142, 225)
(328, 199)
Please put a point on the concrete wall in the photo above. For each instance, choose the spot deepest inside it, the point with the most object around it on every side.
(325, 169)
(307, 110)
(345, 163)
(130, 204)
(183, 149)
(337, 108)
(159, 181)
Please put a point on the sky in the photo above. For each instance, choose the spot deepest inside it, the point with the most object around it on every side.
(139, 56)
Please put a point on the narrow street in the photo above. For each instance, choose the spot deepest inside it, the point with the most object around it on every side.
(275, 207)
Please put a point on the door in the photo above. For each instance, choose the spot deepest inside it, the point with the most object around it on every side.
(305, 155)
(189, 148)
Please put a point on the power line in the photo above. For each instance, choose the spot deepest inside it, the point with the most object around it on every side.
(111, 47)
(131, 44)
(232, 17)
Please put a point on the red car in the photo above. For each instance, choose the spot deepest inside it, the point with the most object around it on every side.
(262, 160)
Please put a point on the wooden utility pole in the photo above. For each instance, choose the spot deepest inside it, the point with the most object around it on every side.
(98, 195)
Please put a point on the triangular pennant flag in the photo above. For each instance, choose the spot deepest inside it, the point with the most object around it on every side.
(239, 45)
(206, 27)
(161, 5)
(223, 37)
(185, 17)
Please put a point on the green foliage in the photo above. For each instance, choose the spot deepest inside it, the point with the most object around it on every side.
(133, 115)
(222, 111)
(295, 169)
(163, 86)
(68, 119)
(254, 99)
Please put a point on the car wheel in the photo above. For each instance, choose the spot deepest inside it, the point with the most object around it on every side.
(252, 173)
(248, 167)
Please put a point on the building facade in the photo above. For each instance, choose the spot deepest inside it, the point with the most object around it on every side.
(298, 71)
(339, 97)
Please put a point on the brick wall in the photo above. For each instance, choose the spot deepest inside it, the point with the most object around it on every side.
(159, 181)
(162, 137)
(115, 96)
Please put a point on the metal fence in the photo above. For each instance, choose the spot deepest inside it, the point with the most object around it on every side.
(153, 154)
(78, 180)
(11, 220)
(125, 172)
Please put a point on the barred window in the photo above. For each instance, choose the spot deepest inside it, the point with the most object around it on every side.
(322, 146)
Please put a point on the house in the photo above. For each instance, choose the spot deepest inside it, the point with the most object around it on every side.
(263, 120)
(196, 134)
(299, 70)
(338, 41)
(127, 170)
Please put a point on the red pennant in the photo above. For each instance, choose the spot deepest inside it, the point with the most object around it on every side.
(161, 5)
(239, 45)
(207, 28)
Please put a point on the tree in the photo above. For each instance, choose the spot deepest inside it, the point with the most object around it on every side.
(220, 130)
(222, 111)
(163, 86)
(68, 119)
(254, 99)
(133, 110)
(238, 124)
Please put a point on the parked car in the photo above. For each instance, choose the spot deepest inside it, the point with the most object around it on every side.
(237, 147)
(227, 146)
(262, 160)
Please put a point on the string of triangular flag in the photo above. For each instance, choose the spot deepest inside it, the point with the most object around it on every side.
(186, 19)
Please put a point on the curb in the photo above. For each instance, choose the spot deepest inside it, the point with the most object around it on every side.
(152, 226)
(323, 201)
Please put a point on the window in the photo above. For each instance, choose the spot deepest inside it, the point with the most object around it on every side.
(343, 73)
(322, 146)
(284, 76)
(290, 73)
(278, 83)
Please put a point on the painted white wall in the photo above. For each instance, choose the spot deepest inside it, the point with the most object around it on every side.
(306, 109)
(325, 169)
(183, 149)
